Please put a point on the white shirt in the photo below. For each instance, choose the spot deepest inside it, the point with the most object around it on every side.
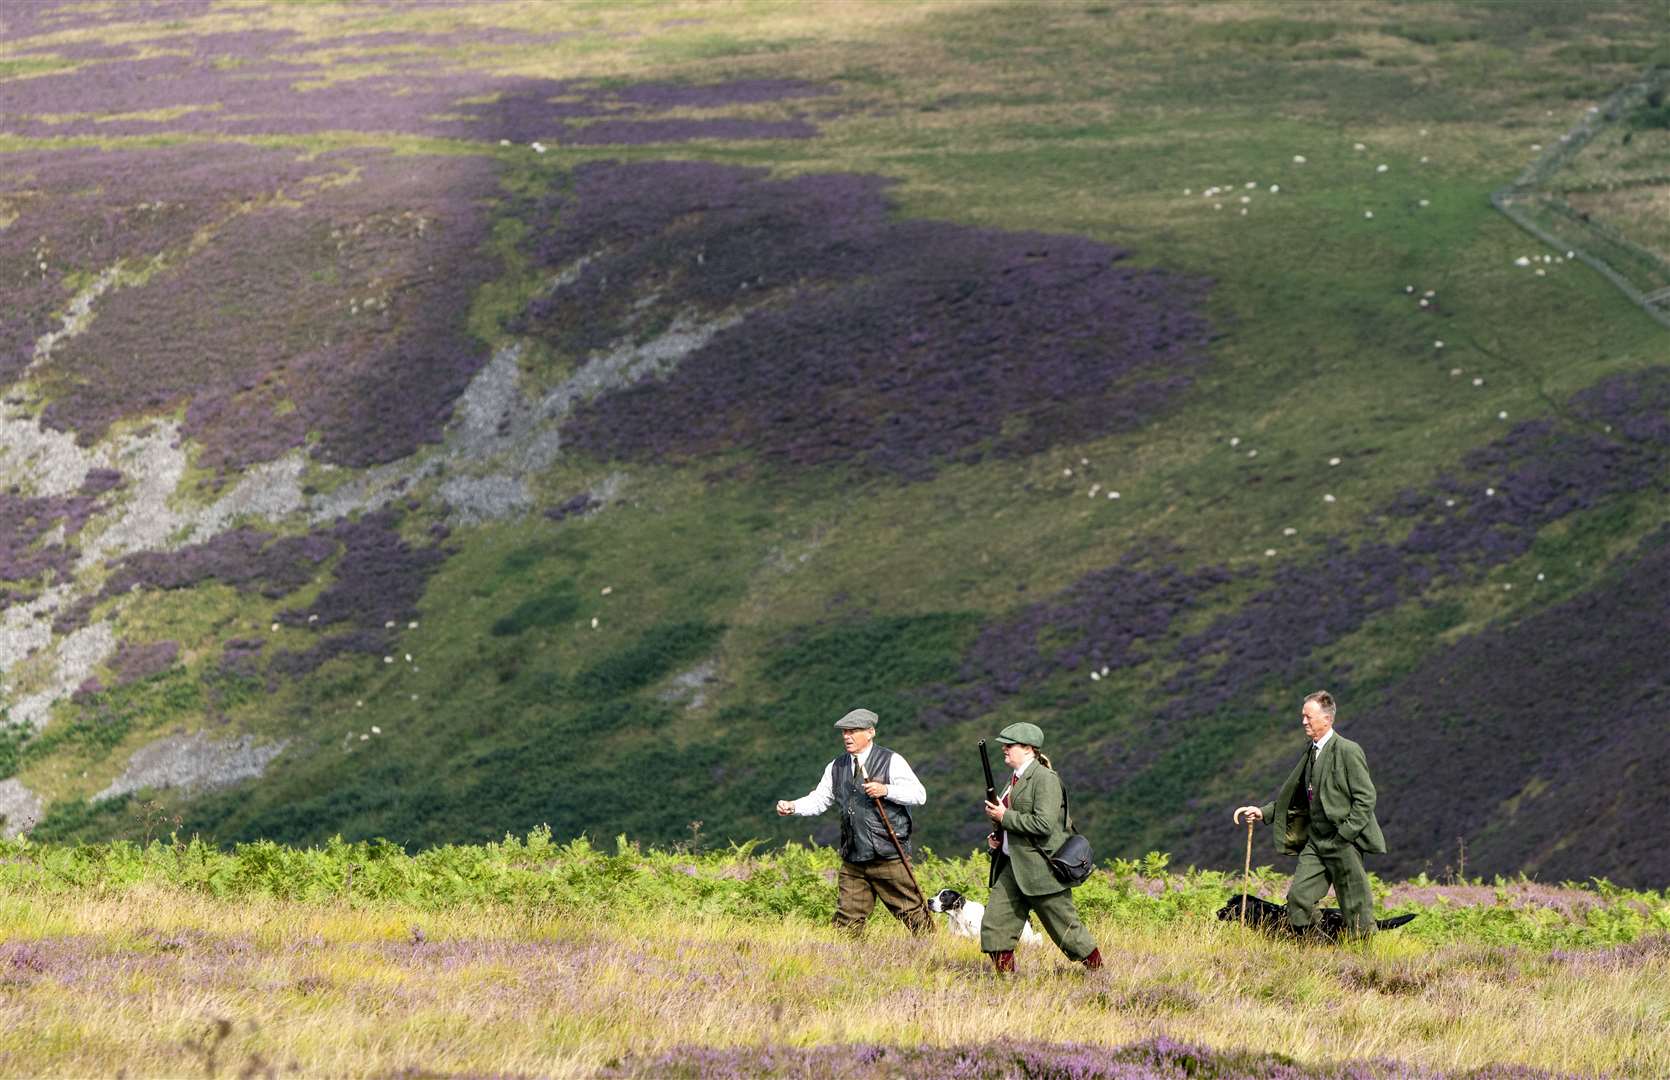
(1020, 772)
(902, 786)
(1316, 747)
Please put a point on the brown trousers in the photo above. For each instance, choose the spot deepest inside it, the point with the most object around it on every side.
(861, 884)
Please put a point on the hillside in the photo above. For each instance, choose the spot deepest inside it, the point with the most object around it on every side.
(430, 422)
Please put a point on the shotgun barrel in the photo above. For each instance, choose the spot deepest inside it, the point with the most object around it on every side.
(986, 763)
(991, 797)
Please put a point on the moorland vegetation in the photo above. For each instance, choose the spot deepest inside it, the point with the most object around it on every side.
(531, 957)
(419, 422)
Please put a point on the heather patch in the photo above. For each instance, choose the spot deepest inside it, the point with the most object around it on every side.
(35, 534)
(574, 506)
(284, 317)
(55, 16)
(273, 82)
(64, 54)
(912, 342)
(341, 316)
(134, 662)
(573, 112)
(1112, 619)
(1643, 951)
(190, 95)
(1159, 1058)
(81, 211)
(98, 481)
(379, 578)
(246, 559)
(1567, 902)
(1616, 442)
(378, 581)
(1560, 775)
(294, 663)
(241, 656)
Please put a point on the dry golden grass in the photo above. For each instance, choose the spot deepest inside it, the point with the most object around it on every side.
(141, 983)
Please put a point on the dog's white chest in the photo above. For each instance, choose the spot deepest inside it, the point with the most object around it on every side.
(966, 920)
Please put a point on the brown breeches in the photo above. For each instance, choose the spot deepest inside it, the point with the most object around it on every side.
(861, 884)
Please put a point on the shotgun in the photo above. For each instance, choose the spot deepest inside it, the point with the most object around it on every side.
(991, 797)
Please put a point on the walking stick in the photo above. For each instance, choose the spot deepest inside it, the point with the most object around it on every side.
(1246, 883)
(881, 813)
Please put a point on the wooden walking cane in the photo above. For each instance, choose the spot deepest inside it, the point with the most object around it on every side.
(864, 778)
(1246, 882)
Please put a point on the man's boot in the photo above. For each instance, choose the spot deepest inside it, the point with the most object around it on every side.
(1093, 962)
(1004, 961)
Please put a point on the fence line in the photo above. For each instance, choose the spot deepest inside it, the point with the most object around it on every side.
(1655, 303)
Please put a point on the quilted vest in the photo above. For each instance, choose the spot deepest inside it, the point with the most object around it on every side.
(863, 836)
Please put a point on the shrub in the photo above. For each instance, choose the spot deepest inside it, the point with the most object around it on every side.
(655, 654)
(553, 605)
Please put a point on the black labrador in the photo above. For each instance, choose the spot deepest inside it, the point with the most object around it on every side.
(1272, 918)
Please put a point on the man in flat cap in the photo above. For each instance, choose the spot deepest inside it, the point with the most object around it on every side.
(871, 866)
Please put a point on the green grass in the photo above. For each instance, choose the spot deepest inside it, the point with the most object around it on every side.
(791, 883)
(34, 65)
(106, 717)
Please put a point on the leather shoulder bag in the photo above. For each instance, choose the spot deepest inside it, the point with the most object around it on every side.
(1072, 863)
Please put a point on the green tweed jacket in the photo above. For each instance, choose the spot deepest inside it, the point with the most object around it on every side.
(1037, 824)
(1344, 795)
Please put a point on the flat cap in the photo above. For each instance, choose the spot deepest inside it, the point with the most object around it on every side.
(1023, 733)
(858, 718)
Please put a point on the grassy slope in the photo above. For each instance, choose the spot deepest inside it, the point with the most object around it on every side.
(1087, 119)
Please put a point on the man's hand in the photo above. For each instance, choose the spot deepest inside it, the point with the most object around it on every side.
(1253, 814)
(995, 811)
(992, 841)
(875, 789)
(784, 808)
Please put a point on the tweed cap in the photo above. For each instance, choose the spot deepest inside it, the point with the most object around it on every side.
(857, 719)
(1023, 733)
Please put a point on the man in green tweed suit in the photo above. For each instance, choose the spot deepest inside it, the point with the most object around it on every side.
(1324, 813)
(1031, 820)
